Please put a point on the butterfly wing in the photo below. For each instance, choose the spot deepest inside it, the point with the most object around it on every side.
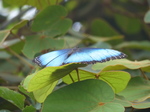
(54, 58)
(93, 55)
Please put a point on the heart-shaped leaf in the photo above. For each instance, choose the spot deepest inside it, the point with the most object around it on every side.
(137, 90)
(117, 79)
(40, 43)
(90, 95)
(52, 19)
(41, 94)
(48, 75)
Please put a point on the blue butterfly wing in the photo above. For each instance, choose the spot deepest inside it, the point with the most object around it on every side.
(54, 58)
(93, 55)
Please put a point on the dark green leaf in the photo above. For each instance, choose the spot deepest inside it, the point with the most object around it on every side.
(101, 28)
(39, 43)
(137, 90)
(128, 24)
(91, 95)
(29, 109)
(52, 19)
(12, 97)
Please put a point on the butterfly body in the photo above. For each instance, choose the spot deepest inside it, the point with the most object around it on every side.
(77, 55)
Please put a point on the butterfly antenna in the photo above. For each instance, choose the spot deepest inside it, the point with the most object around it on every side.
(78, 76)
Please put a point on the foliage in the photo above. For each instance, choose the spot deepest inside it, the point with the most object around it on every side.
(113, 86)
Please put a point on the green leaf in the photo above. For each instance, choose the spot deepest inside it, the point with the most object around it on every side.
(121, 100)
(12, 97)
(19, 25)
(41, 94)
(144, 45)
(128, 24)
(24, 91)
(52, 19)
(123, 64)
(29, 109)
(147, 17)
(3, 35)
(137, 90)
(141, 105)
(101, 28)
(48, 75)
(118, 80)
(39, 43)
(91, 95)
(40, 4)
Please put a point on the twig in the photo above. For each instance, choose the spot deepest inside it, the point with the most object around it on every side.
(19, 57)
(145, 77)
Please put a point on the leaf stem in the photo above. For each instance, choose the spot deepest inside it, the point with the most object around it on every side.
(143, 74)
(78, 77)
(71, 78)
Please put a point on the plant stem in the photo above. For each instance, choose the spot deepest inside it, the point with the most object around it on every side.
(78, 77)
(19, 57)
(145, 77)
(71, 78)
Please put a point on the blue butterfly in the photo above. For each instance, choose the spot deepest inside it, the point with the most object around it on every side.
(77, 55)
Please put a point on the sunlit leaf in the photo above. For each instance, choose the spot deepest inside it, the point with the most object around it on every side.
(117, 79)
(12, 97)
(48, 75)
(137, 90)
(91, 95)
(123, 64)
(41, 94)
